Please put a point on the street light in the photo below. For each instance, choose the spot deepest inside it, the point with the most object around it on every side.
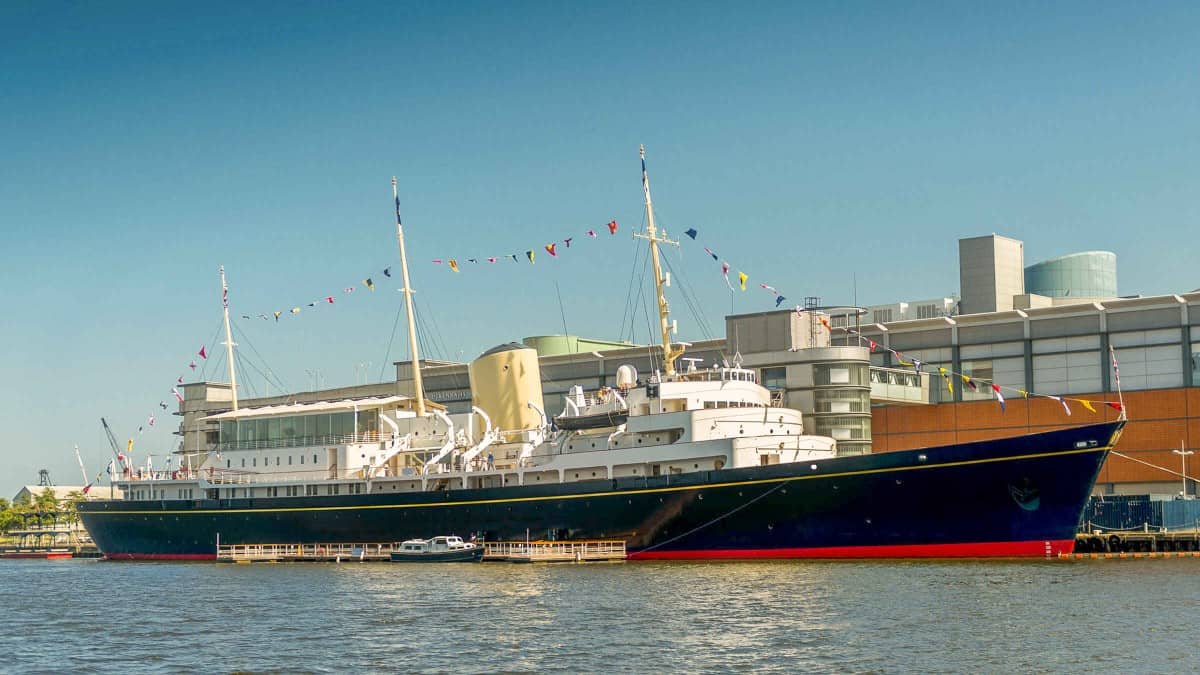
(1183, 455)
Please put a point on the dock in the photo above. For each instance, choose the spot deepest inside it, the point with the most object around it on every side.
(274, 553)
(604, 550)
(599, 550)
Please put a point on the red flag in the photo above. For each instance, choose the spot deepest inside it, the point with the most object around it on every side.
(329, 299)
(591, 233)
(491, 260)
(192, 365)
(612, 227)
(202, 353)
(550, 250)
(1114, 405)
(873, 345)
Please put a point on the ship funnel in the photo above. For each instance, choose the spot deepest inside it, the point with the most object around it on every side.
(626, 377)
(504, 381)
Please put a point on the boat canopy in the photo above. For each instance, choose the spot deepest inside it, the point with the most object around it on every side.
(314, 407)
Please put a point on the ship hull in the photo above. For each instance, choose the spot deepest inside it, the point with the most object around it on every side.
(1014, 497)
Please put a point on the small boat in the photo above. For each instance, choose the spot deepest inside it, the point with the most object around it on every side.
(438, 549)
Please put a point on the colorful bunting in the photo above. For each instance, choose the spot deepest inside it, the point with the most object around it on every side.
(329, 299)
(453, 265)
(742, 280)
(178, 397)
(710, 252)
(295, 310)
(550, 249)
(691, 233)
(1115, 405)
(612, 227)
(529, 254)
(387, 272)
(202, 353)
(591, 233)
(999, 396)
(779, 300)
(946, 378)
(1064, 404)
(277, 316)
(370, 284)
(192, 365)
(1087, 404)
(970, 383)
(491, 260)
(825, 323)
(567, 241)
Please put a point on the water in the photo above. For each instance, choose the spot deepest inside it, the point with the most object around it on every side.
(1037, 616)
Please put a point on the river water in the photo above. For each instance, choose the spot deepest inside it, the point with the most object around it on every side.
(1036, 616)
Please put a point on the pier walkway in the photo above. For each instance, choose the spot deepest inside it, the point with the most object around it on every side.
(496, 551)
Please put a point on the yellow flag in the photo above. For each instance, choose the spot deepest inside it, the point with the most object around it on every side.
(129, 447)
(1087, 404)
(295, 310)
(453, 264)
(369, 284)
(949, 384)
(1024, 393)
(742, 277)
(529, 254)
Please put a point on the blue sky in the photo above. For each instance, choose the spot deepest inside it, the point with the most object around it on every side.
(144, 144)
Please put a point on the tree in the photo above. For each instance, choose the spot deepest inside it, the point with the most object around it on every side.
(70, 505)
(8, 517)
(46, 503)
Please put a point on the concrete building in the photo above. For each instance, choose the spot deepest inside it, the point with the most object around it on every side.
(991, 270)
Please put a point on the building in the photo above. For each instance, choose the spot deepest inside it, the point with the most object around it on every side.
(990, 272)
(1091, 275)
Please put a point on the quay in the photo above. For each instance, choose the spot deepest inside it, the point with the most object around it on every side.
(493, 551)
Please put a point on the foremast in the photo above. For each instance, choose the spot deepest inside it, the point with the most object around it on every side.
(670, 353)
(229, 344)
(418, 388)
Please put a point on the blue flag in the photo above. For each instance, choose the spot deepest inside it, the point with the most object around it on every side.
(691, 233)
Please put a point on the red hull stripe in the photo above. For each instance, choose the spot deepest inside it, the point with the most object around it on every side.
(1000, 549)
(161, 556)
(57, 555)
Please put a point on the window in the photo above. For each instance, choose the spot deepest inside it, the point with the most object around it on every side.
(301, 459)
(289, 460)
(774, 378)
(314, 459)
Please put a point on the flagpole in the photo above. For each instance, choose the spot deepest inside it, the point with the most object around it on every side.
(418, 388)
(228, 338)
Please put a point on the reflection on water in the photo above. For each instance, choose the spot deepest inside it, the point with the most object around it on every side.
(777, 616)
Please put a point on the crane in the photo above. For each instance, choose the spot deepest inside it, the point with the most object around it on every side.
(112, 440)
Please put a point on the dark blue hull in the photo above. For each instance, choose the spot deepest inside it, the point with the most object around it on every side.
(1019, 496)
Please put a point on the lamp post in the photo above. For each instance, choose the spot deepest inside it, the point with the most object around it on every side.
(1183, 455)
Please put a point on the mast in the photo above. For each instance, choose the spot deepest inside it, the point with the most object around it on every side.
(228, 338)
(670, 354)
(418, 389)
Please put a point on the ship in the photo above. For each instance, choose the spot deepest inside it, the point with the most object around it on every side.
(691, 463)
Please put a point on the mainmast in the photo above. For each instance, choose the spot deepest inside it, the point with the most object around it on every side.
(418, 389)
(670, 354)
(228, 338)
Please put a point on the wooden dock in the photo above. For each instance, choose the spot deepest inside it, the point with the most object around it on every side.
(248, 553)
(605, 550)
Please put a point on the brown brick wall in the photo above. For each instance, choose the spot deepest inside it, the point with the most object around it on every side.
(1158, 421)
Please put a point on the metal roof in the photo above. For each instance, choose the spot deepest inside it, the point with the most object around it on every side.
(306, 408)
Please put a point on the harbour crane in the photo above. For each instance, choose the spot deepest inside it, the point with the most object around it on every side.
(112, 440)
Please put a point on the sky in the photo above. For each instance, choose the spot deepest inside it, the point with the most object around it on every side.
(836, 150)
